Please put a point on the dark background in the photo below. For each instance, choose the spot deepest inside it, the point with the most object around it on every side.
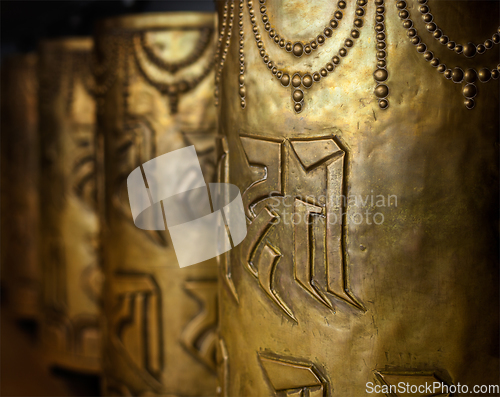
(24, 23)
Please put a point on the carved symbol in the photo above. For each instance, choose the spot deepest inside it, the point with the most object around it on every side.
(84, 176)
(318, 164)
(199, 336)
(135, 146)
(292, 378)
(136, 325)
(223, 177)
(392, 379)
(222, 368)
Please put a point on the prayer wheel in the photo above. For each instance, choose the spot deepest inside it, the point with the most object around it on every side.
(20, 265)
(154, 87)
(69, 222)
(363, 136)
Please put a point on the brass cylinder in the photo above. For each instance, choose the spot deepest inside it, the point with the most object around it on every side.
(20, 262)
(366, 153)
(69, 223)
(155, 80)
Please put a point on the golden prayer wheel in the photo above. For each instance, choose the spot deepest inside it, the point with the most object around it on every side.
(69, 223)
(154, 77)
(20, 265)
(363, 136)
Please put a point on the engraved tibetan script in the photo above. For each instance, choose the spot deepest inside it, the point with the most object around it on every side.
(295, 197)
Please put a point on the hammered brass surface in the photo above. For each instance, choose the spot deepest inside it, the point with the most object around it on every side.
(69, 223)
(155, 94)
(19, 212)
(399, 281)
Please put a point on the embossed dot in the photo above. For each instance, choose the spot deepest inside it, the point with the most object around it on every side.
(469, 50)
(469, 103)
(470, 76)
(314, 45)
(441, 68)
(494, 74)
(401, 5)
(282, 43)
(323, 72)
(343, 52)
(459, 48)
(428, 55)
(279, 74)
(334, 23)
(447, 73)
(379, 27)
(296, 80)
(298, 95)
(307, 49)
(341, 4)
(403, 14)
(379, 2)
(457, 75)
(437, 33)
(274, 70)
(380, 75)
(469, 91)
(321, 39)
(307, 80)
(338, 15)
(349, 43)
(361, 3)
(358, 22)
(423, 9)
(241, 79)
(427, 18)
(444, 40)
(431, 27)
(408, 24)
(298, 49)
(272, 33)
(355, 34)
(380, 45)
(330, 67)
(495, 38)
(415, 40)
(435, 62)
(336, 60)
(484, 75)
(381, 63)
(316, 76)
(488, 44)
(480, 49)
(421, 47)
(285, 80)
(380, 36)
(381, 91)
(242, 92)
(267, 26)
(451, 45)
(411, 32)
(297, 107)
(383, 103)
(328, 32)
(380, 10)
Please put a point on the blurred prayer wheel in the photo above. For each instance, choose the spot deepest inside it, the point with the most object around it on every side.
(155, 95)
(69, 222)
(364, 139)
(20, 265)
